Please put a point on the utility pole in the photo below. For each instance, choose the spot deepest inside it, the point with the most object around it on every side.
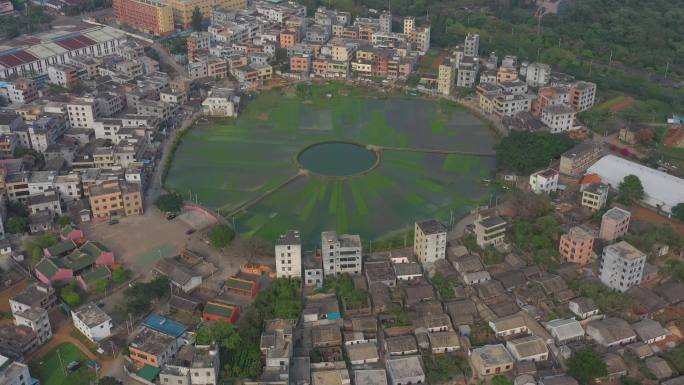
(539, 24)
(538, 52)
(667, 68)
(610, 60)
(591, 62)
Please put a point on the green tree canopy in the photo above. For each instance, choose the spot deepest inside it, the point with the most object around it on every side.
(70, 296)
(101, 285)
(219, 332)
(678, 211)
(221, 235)
(120, 275)
(587, 366)
(501, 380)
(171, 202)
(34, 247)
(196, 20)
(63, 220)
(18, 225)
(108, 381)
(526, 152)
(631, 190)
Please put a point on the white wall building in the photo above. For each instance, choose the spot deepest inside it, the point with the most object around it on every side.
(288, 255)
(622, 266)
(429, 244)
(544, 181)
(37, 319)
(92, 322)
(558, 118)
(14, 373)
(341, 253)
(471, 46)
(538, 74)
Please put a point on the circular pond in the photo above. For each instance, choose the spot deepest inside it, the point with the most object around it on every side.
(337, 159)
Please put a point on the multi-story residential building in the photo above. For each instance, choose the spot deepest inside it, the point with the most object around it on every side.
(622, 266)
(47, 201)
(506, 74)
(92, 322)
(550, 96)
(341, 253)
(544, 181)
(182, 9)
(505, 104)
(65, 75)
(36, 318)
(196, 42)
(446, 77)
(35, 295)
(22, 91)
(14, 372)
(576, 246)
(150, 347)
(594, 197)
(468, 67)
(221, 102)
(300, 63)
(429, 243)
(83, 112)
(578, 159)
(114, 198)
(582, 95)
(385, 20)
(489, 230)
(420, 38)
(288, 255)
(17, 341)
(558, 118)
(471, 45)
(150, 16)
(614, 224)
(538, 74)
(8, 144)
(288, 38)
(409, 25)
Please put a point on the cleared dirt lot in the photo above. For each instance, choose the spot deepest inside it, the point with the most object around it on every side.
(140, 240)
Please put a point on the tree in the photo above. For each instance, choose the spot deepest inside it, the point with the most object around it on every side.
(678, 211)
(525, 152)
(645, 136)
(220, 332)
(63, 221)
(120, 275)
(221, 235)
(18, 225)
(441, 368)
(501, 380)
(70, 296)
(101, 285)
(169, 202)
(631, 190)
(35, 246)
(196, 20)
(587, 366)
(108, 381)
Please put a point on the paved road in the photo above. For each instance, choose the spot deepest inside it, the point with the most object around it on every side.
(166, 57)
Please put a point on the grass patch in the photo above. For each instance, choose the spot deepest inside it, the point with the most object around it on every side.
(430, 185)
(48, 370)
(460, 163)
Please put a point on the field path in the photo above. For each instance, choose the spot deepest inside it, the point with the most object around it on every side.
(265, 194)
(434, 151)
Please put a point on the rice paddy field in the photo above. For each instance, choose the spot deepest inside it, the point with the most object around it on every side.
(229, 162)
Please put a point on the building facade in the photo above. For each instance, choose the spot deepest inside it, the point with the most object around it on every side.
(429, 244)
(622, 266)
(288, 255)
(576, 246)
(614, 224)
(341, 253)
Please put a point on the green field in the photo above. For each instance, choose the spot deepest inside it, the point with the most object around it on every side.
(47, 368)
(230, 162)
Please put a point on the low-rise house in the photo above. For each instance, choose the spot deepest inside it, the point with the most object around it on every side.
(241, 286)
(405, 370)
(47, 201)
(611, 332)
(558, 380)
(509, 326)
(491, 359)
(434, 322)
(71, 233)
(583, 307)
(401, 345)
(645, 303)
(363, 353)
(221, 102)
(418, 293)
(490, 231)
(216, 310)
(92, 322)
(330, 377)
(649, 331)
(674, 381)
(323, 336)
(380, 272)
(444, 342)
(615, 366)
(370, 377)
(659, 367)
(671, 292)
(17, 341)
(192, 365)
(181, 276)
(476, 277)
(462, 312)
(322, 306)
(407, 271)
(528, 349)
(88, 279)
(565, 330)
(640, 350)
(276, 343)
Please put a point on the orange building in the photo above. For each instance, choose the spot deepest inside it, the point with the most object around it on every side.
(115, 198)
(576, 246)
(288, 38)
(506, 74)
(300, 63)
(150, 16)
(153, 348)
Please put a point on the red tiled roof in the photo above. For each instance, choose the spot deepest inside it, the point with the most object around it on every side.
(16, 58)
(75, 42)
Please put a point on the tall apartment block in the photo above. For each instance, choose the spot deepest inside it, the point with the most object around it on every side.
(183, 9)
(471, 46)
(409, 25)
(622, 266)
(288, 255)
(385, 22)
(429, 243)
(150, 16)
(576, 246)
(446, 77)
(341, 253)
(582, 95)
(490, 230)
(614, 224)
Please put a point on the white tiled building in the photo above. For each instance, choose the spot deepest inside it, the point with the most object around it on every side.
(558, 118)
(341, 253)
(92, 322)
(288, 255)
(429, 242)
(622, 266)
(544, 181)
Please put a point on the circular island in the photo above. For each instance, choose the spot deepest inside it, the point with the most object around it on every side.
(337, 159)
